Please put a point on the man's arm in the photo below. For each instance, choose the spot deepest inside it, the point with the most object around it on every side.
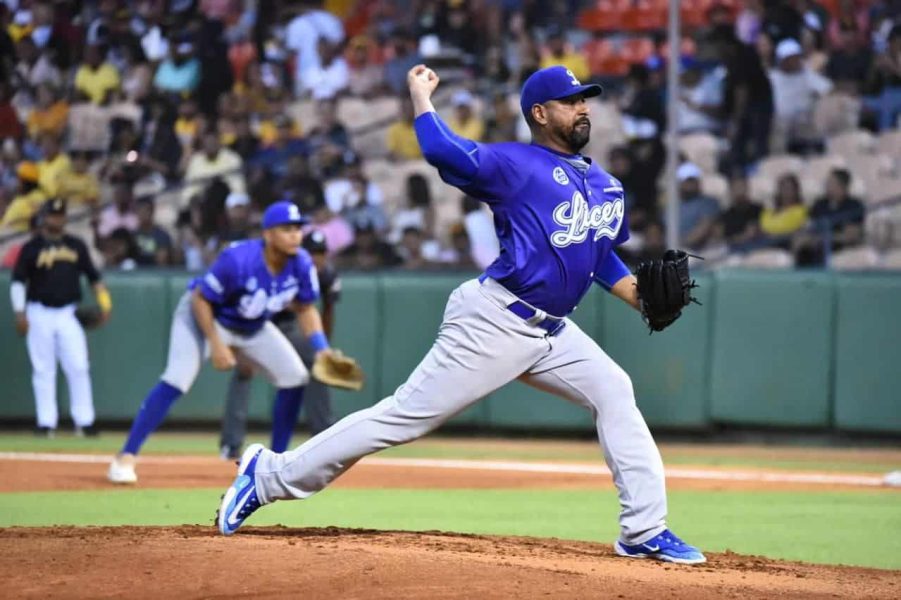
(626, 289)
(310, 323)
(221, 355)
(18, 291)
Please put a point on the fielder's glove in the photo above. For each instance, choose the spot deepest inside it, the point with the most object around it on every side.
(331, 367)
(664, 289)
(90, 317)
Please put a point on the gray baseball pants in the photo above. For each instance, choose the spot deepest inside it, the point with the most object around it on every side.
(480, 347)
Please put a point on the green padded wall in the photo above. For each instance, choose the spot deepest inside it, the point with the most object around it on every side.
(128, 352)
(868, 353)
(357, 332)
(15, 369)
(772, 340)
(669, 369)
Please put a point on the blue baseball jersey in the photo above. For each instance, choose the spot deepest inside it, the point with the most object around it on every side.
(557, 219)
(243, 292)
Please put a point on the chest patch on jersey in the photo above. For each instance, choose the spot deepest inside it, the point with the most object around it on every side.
(54, 254)
(560, 176)
(578, 219)
(254, 305)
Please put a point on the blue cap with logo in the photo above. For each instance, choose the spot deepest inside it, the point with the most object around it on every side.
(283, 213)
(553, 83)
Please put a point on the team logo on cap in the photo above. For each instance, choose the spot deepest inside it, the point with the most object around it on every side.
(560, 176)
(572, 78)
(293, 212)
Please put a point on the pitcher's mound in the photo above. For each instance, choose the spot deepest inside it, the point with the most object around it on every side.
(278, 562)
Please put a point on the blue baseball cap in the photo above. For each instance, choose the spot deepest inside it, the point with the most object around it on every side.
(283, 213)
(553, 83)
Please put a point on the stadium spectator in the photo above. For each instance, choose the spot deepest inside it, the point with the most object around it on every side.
(153, 244)
(504, 120)
(96, 80)
(119, 250)
(355, 197)
(368, 252)
(749, 21)
(747, 99)
(366, 76)
(28, 199)
(303, 33)
(338, 233)
(34, 67)
(885, 82)
(180, 73)
(479, 226)
(698, 213)
(79, 185)
(787, 216)
(213, 161)
(464, 121)
(849, 62)
(237, 225)
(10, 125)
(701, 100)
(191, 236)
(403, 57)
(410, 250)
(401, 137)
(418, 212)
(836, 214)
(330, 77)
(137, 75)
(273, 159)
(461, 249)
(739, 224)
(558, 52)
(644, 121)
(328, 131)
(121, 213)
(640, 191)
(245, 143)
(50, 114)
(161, 148)
(796, 89)
(54, 164)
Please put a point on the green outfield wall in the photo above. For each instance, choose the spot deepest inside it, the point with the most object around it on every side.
(815, 350)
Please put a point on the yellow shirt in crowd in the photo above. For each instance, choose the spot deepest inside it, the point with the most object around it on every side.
(96, 83)
(573, 61)
(402, 142)
(51, 120)
(473, 129)
(783, 222)
(19, 211)
(82, 188)
(50, 173)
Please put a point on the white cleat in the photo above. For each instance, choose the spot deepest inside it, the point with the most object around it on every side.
(122, 470)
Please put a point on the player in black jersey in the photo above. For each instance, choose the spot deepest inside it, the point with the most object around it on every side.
(45, 289)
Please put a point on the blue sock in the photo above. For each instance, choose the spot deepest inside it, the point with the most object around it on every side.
(284, 417)
(151, 414)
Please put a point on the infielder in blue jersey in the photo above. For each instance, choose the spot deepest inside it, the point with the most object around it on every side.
(558, 217)
(227, 311)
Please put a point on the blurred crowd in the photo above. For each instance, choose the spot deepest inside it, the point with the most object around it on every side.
(116, 105)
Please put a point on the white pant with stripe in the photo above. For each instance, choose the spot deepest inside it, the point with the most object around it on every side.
(55, 334)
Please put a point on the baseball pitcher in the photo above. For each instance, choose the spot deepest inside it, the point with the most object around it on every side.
(558, 217)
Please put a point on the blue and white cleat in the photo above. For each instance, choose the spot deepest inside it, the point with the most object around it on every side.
(240, 500)
(666, 547)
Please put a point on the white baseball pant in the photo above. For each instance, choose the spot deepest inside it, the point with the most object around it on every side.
(55, 334)
(481, 346)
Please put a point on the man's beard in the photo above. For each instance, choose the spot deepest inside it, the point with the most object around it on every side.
(577, 137)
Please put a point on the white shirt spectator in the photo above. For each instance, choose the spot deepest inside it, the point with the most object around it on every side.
(482, 238)
(324, 83)
(303, 33)
(341, 195)
(795, 90)
(707, 93)
(794, 94)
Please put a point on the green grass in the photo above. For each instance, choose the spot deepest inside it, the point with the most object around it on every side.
(436, 447)
(854, 528)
